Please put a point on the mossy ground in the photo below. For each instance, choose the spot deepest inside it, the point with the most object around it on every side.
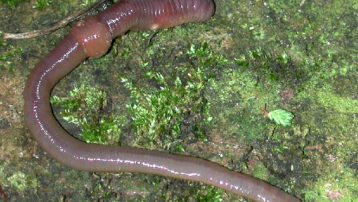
(196, 89)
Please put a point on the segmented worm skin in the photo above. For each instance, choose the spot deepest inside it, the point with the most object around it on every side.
(92, 38)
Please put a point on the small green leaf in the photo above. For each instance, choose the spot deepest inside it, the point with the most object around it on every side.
(180, 148)
(281, 116)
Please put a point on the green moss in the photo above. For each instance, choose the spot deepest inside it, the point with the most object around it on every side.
(87, 2)
(210, 194)
(155, 113)
(42, 4)
(22, 181)
(338, 184)
(83, 108)
(13, 3)
(9, 58)
(337, 103)
(240, 88)
(260, 171)
(158, 113)
(39, 4)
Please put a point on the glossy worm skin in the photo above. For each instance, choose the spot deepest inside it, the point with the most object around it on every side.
(92, 38)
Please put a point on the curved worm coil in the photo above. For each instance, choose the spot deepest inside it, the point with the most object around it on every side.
(92, 38)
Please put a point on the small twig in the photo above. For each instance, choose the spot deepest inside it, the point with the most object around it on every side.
(58, 25)
(265, 111)
(302, 2)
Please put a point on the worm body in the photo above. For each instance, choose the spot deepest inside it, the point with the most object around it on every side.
(92, 38)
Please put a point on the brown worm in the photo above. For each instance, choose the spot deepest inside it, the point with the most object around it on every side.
(92, 38)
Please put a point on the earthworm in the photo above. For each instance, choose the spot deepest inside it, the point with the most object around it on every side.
(92, 37)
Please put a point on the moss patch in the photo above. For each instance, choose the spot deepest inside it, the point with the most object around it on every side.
(194, 88)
